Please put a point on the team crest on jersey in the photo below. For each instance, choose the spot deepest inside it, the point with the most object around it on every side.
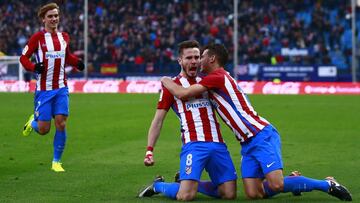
(188, 170)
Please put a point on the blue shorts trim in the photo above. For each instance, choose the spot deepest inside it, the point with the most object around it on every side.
(47, 104)
(262, 154)
(211, 156)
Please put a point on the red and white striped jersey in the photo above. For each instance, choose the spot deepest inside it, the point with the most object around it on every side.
(232, 105)
(197, 118)
(53, 50)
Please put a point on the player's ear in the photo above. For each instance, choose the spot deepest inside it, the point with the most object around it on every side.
(179, 60)
(212, 58)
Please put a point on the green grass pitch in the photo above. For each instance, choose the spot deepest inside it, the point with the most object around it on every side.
(107, 136)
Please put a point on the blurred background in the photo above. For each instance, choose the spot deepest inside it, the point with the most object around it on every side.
(289, 40)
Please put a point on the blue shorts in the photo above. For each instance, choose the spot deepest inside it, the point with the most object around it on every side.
(211, 156)
(49, 103)
(262, 154)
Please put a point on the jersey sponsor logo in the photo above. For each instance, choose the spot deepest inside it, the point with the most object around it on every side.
(214, 103)
(196, 104)
(26, 48)
(54, 54)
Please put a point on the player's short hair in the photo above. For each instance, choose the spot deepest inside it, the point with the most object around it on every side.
(187, 44)
(220, 52)
(46, 8)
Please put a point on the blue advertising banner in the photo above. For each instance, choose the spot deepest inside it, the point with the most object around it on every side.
(288, 73)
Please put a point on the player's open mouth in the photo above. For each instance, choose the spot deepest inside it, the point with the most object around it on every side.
(193, 69)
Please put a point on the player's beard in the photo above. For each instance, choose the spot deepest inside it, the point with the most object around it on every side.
(192, 72)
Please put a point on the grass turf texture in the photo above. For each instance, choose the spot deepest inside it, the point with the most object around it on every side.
(107, 136)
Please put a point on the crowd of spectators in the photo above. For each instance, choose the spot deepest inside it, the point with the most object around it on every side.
(144, 33)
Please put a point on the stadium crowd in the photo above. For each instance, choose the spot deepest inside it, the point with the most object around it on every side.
(141, 35)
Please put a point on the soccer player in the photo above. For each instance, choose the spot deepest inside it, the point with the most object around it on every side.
(203, 146)
(51, 50)
(260, 141)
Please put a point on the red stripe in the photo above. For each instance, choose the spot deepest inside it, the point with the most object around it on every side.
(206, 124)
(230, 119)
(243, 104)
(248, 125)
(44, 50)
(57, 63)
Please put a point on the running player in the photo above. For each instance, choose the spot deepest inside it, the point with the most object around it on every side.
(51, 50)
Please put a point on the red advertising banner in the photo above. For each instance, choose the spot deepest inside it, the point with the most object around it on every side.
(119, 86)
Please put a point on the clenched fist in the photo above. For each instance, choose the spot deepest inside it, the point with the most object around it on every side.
(149, 161)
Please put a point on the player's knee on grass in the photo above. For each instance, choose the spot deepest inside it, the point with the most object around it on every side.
(254, 194)
(228, 190)
(228, 195)
(187, 190)
(253, 188)
(186, 196)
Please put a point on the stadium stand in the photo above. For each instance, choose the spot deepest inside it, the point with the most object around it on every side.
(140, 36)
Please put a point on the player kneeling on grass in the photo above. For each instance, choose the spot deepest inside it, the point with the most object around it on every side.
(51, 50)
(260, 141)
(203, 145)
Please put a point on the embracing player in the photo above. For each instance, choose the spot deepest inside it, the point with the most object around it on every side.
(260, 141)
(51, 50)
(203, 146)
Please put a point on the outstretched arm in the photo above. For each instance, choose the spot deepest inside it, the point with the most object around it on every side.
(181, 92)
(153, 135)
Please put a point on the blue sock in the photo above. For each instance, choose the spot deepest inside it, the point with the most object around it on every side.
(208, 188)
(59, 144)
(34, 125)
(298, 184)
(304, 184)
(168, 189)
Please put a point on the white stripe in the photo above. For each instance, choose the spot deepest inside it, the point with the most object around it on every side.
(238, 106)
(51, 61)
(234, 116)
(62, 66)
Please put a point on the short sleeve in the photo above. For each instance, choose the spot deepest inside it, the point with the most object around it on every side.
(166, 99)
